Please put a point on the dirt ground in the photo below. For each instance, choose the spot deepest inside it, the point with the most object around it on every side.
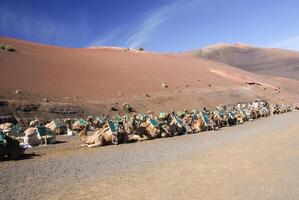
(257, 160)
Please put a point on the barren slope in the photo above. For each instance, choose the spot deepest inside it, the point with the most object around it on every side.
(276, 62)
(102, 76)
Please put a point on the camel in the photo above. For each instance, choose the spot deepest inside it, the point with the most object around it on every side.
(207, 123)
(148, 132)
(34, 123)
(129, 129)
(219, 118)
(241, 117)
(10, 129)
(6, 127)
(188, 119)
(68, 122)
(103, 136)
(197, 124)
(177, 126)
(39, 135)
(79, 125)
(57, 126)
(10, 147)
(231, 118)
(94, 140)
(164, 121)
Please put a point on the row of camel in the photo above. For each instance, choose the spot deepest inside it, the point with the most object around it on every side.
(128, 129)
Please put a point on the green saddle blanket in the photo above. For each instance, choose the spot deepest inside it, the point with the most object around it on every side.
(59, 123)
(162, 115)
(42, 131)
(205, 117)
(153, 122)
(113, 127)
(118, 118)
(2, 138)
(178, 121)
(195, 117)
(232, 115)
(82, 122)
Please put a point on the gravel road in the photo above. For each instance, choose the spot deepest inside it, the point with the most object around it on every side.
(256, 160)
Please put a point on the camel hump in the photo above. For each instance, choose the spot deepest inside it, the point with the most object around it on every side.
(104, 130)
(30, 131)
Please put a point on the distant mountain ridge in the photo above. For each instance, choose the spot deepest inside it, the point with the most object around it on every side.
(269, 61)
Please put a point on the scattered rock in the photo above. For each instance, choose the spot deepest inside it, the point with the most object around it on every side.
(120, 94)
(187, 85)
(147, 95)
(164, 85)
(112, 108)
(10, 48)
(210, 85)
(18, 91)
(252, 83)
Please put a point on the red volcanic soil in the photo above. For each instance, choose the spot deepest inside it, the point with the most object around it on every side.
(97, 78)
(277, 62)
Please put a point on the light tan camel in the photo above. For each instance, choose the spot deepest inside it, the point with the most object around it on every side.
(35, 138)
(149, 132)
(6, 127)
(60, 129)
(241, 117)
(197, 125)
(101, 137)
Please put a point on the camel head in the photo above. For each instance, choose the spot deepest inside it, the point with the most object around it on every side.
(128, 127)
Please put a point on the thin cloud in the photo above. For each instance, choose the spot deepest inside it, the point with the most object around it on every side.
(149, 24)
(290, 43)
(107, 38)
(18, 22)
(138, 35)
(155, 19)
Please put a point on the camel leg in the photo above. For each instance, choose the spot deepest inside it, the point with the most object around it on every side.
(94, 145)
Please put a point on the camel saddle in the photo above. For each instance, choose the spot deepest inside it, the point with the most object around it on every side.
(162, 115)
(179, 122)
(153, 122)
(2, 138)
(42, 131)
(231, 115)
(82, 122)
(59, 123)
(113, 127)
(205, 118)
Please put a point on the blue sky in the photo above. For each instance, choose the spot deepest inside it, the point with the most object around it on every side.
(156, 25)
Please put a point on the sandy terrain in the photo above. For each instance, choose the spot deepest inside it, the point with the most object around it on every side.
(277, 62)
(86, 81)
(257, 160)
